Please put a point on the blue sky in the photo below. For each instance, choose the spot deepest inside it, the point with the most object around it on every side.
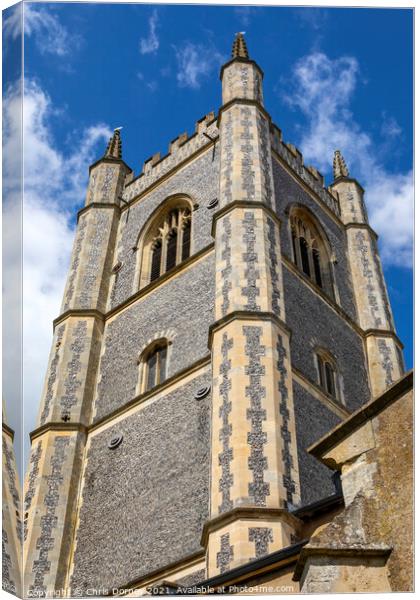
(333, 78)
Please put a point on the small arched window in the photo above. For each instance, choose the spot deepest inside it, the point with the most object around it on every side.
(154, 366)
(167, 242)
(310, 251)
(328, 378)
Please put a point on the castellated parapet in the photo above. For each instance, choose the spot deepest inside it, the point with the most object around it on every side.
(223, 310)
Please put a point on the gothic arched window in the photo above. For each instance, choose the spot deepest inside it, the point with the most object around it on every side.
(167, 241)
(154, 366)
(328, 378)
(310, 250)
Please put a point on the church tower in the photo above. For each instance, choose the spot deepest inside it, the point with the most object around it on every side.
(224, 310)
(254, 451)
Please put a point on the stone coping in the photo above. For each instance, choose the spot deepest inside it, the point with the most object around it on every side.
(332, 553)
(58, 426)
(117, 161)
(244, 315)
(241, 59)
(153, 577)
(8, 430)
(365, 413)
(347, 179)
(254, 568)
(355, 225)
(256, 205)
(246, 512)
(98, 205)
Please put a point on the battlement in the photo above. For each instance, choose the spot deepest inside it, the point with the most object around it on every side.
(180, 149)
(309, 174)
(183, 146)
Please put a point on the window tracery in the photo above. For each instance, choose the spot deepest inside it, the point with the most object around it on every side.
(167, 241)
(310, 252)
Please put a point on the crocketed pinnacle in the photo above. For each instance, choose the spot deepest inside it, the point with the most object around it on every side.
(339, 166)
(239, 49)
(113, 149)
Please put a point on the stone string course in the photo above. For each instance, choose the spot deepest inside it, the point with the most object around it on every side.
(193, 579)
(257, 438)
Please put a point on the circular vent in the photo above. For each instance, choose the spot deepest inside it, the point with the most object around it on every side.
(202, 392)
(213, 203)
(115, 442)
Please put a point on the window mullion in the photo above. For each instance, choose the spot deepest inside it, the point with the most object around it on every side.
(179, 238)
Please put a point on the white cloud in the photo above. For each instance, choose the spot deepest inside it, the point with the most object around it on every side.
(315, 18)
(195, 63)
(55, 184)
(12, 22)
(51, 37)
(150, 44)
(323, 90)
(245, 13)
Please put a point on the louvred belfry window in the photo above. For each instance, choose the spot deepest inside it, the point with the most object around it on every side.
(172, 243)
(156, 259)
(309, 251)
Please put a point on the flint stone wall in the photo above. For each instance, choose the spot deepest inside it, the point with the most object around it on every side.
(184, 305)
(314, 323)
(313, 420)
(144, 503)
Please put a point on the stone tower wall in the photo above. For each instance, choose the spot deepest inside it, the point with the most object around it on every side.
(194, 486)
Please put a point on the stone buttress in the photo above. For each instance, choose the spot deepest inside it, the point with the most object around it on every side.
(52, 483)
(383, 348)
(254, 456)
